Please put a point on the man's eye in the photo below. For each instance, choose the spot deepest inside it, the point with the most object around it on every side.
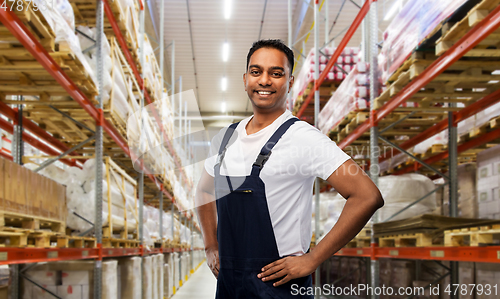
(254, 72)
(278, 74)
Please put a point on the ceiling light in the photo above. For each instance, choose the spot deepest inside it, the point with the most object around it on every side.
(227, 9)
(225, 52)
(224, 83)
(497, 72)
(493, 82)
(223, 107)
(396, 7)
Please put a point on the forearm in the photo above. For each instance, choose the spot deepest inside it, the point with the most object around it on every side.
(356, 213)
(207, 214)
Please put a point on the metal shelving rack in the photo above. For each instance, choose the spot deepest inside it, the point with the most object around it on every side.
(488, 25)
(47, 143)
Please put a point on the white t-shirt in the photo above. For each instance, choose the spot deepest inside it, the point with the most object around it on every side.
(302, 154)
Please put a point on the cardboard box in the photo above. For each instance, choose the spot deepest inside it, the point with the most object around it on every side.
(25, 192)
(484, 171)
(489, 208)
(73, 291)
(74, 278)
(484, 196)
(488, 182)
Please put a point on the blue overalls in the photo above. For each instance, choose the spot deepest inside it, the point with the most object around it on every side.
(245, 232)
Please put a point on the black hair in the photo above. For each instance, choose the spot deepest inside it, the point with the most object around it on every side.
(274, 44)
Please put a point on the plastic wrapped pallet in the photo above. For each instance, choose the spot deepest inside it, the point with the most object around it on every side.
(351, 96)
(176, 271)
(166, 281)
(415, 21)
(154, 276)
(130, 286)
(346, 61)
(160, 279)
(147, 277)
(169, 275)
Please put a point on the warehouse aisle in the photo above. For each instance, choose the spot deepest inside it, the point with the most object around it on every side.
(201, 285)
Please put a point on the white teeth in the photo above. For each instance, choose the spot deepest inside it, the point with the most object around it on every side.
(264, 92)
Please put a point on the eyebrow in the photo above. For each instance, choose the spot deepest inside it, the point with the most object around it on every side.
(272, 68)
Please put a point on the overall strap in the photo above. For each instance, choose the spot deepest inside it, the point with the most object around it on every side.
(265, 152)
(222, 150)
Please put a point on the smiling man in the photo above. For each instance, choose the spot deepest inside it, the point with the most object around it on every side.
(255, 196)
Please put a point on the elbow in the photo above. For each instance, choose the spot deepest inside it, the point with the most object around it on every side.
(377, 201)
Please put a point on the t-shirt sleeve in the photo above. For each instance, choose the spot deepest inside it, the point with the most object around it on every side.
(214, 151)
(324, 154)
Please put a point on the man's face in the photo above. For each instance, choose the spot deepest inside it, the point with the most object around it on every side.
(268, 79)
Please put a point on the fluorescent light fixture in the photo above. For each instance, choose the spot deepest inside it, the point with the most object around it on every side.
(227, 9)
(225, 52)
(497, 72)
(396, 7)
(493, 82)
(224, 83)
(223, 107)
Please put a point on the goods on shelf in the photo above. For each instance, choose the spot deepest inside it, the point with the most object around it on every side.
(128, 268)
(119, 201)
(397, 191)
(152, 282)
(415, 22)
(304, 81)
(467, 206)
(350, 96)
(488, 183)
(29, 200)
(151, 72)
(77, 277)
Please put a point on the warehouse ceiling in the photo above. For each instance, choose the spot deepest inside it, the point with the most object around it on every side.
(199, 29)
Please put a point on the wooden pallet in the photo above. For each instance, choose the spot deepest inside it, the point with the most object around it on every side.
(85, 14)
(120, 243)
(473, 236)
(406, 240)
(10, 220)
(21, 74)
(18, 237)
(76, 242)
(454, 32)
(35, 22)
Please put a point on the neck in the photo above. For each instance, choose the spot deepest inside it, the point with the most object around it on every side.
(261, 120)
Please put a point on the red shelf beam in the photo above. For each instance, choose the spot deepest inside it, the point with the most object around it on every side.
(488, 254)
(37, 131)
(487, 26)
(345, 40)
(140, 81)
(14, 255)
(483, 139)
(17, 28)
(466, 112)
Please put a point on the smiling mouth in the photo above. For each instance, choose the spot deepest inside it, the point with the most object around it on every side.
(264, 92)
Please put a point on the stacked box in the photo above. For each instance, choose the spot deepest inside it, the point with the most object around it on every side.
(487, 274)
(467, 202)
(488, 182)
(147, 277)
(26, 193)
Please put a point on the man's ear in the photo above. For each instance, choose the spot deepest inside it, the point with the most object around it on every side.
(245, 81)
(290, 83)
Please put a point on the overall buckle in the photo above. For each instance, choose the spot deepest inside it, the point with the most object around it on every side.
(261, 160)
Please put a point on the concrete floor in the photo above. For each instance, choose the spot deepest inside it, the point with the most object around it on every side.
(201, 285)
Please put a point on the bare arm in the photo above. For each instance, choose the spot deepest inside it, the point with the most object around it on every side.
(363, 199)
(207, 214)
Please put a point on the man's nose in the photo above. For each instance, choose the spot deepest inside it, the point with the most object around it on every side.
(264, 79)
